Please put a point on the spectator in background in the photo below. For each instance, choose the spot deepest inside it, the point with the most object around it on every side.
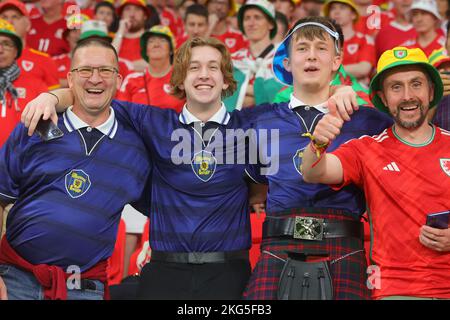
(105, 11)
(16, 87)
(440, 116)
(133, 15)
(426, 21)
(443, 8)
(359, 50)
(169, 17)
(98, 29)
(46, 31)
(152, 87)
(71, 35)
(252, 66)
(182, 6)
(195, 23)
(285, 7)
(218, 11)
(31, 62)
(153, 19)
(307, 8)
(282, 27)
(396, 31)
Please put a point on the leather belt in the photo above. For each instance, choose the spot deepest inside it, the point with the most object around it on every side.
(199, 257)
(309, 228)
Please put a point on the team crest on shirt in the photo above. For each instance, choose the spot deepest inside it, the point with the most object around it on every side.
(230, 42)
(77, 183)
(445, 165)
(400, 54)
(298, 159)
(21, 93)
(27, 65)
(166, 88)
(204, 165)
(352, 48)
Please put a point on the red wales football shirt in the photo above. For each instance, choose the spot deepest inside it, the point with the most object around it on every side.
(234, 40)
(47, 37)
(143, 88)
(402, 183)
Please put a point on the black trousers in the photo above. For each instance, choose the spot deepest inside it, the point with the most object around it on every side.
(182, 281)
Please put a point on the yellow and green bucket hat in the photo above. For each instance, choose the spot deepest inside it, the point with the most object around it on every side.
(157, 30)
(401, 56)
(8, 30)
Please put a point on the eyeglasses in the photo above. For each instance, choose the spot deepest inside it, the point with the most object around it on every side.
(87, 72)
(7, 45)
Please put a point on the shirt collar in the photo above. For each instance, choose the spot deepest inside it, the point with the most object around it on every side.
(295, 102)
(220, 117)
(73, 122)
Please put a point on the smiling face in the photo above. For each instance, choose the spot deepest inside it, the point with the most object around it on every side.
(204, 80)
(256, 25)
(313, 60)
(93, 95)
(407, 92)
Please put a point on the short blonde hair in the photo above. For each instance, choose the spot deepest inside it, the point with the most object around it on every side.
(183, 58)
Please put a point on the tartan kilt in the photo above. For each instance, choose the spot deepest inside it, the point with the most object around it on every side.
(348, 273)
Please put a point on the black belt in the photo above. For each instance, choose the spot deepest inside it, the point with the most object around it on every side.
(199, 257)
(309, 228)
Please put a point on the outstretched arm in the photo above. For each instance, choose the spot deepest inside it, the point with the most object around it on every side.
(46, 105)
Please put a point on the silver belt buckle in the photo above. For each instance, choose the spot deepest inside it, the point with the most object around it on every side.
(308, 228)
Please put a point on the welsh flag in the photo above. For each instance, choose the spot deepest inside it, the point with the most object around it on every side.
(341, 78)
(247, 69)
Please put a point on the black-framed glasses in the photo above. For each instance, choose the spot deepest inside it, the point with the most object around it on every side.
(87, 72)
(7, 45)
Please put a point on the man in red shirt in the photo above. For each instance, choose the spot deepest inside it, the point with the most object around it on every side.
(16, 88)
(359, 49)
(46, 31)
(31, 62)
(133, 14)
(426, 20)
(152, 87)
(398, 30)
(405, 174)
(219, 11)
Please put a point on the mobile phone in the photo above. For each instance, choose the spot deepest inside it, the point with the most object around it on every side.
(47, 130)
(438, 220)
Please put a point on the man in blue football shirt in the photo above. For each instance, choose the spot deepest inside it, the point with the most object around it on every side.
(307, 59)
(69, 191)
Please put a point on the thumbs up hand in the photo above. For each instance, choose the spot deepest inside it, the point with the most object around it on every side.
(329, 127)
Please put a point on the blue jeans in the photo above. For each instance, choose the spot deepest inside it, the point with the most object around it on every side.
(22, 285)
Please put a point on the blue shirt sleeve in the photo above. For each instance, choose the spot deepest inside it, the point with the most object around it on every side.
(10, 170)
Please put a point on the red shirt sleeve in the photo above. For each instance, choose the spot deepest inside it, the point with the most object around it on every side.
(350, 156)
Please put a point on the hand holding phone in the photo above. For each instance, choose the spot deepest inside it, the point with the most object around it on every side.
(439, 220)
(47, 130)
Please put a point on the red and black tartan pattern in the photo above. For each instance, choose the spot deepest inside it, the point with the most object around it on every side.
(349, 274)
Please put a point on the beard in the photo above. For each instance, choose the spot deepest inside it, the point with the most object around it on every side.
(136, 26)
(409, 124)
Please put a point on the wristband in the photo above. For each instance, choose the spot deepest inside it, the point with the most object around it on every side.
(57, 99)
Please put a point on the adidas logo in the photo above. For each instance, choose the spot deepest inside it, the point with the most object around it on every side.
(392, 167)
